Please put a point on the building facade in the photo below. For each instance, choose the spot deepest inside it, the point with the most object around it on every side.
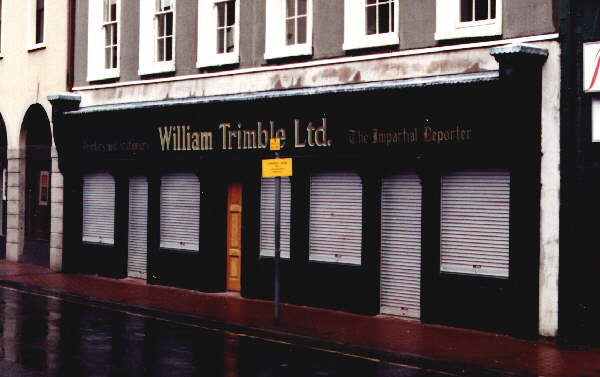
(33, 64)
(424, 139)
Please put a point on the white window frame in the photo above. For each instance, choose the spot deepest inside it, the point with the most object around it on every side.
(357, 37)
(149, 64)
(207, 36)
(450, 26)
(96, 42)
(275, 31)
(32, 26)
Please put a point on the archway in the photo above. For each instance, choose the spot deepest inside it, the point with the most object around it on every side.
(38, 142)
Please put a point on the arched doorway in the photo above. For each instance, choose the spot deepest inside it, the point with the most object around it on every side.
(3, 187)
(38, 141)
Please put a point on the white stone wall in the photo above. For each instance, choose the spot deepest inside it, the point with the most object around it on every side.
(27, 77)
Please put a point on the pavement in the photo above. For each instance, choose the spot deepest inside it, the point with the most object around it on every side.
(456, 351)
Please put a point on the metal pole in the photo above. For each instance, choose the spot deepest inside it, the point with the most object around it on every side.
(277, 244)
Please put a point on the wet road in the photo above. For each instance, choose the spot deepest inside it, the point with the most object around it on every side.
(44, 336)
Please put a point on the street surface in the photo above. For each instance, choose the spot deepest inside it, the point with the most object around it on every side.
(46, 336)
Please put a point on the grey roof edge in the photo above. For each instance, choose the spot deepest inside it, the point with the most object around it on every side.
(519, 48)
(420, 82)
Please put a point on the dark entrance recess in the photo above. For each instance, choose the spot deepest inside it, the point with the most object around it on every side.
(38, 141)
(3, 187)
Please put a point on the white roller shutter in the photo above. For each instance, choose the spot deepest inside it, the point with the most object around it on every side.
(98, 208)
(401, 245)
(267, 217)
(335, 228)
(138, 227)
(475, 222)
(179, 211)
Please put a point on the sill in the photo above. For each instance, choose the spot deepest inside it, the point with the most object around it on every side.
(343, 263)
(289, 51)
(96, 242)
(107, 74)
(217, 60)
(179, 250)
(470, 30)
(375, 40)
(36, 47)
(157, 68)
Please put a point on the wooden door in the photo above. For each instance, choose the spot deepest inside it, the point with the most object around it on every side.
(234, 236)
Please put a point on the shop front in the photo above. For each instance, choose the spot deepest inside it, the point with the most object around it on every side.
(413, 198)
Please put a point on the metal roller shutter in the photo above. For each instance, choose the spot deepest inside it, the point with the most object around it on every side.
(335, 228)
(180, 211)
(401, 245)
(475, 223)
(138, 227)
(267, 217)
(98, 208)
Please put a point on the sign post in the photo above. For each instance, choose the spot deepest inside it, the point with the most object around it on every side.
(277, 168)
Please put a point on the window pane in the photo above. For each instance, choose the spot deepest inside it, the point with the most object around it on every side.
(39, 25)
(301, 7)
(114, 33)
(169, 48)
(230, 13)
(221, 14)
(220, 41)
(290, 32)
(160, 20)
(481, 10)
(114, 57)
(371, 1)
(107, 58)
(371, 20)
(107, 36)
(113, 10)
(230, 39)
(169, 17)
(302, 30)
(492, 9)
(291, 8)
(106, 10)
(466, 10)
(384, 18)
(160, 50)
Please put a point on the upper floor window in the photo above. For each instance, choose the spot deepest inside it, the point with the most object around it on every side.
(164, 30)
(468, 18)
(36, 23)
(380, 20)
(157, 36)
(288, 28)
(39, 21)
(103, 39)
(218, 32)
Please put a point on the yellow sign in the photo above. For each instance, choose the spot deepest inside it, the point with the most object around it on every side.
(274, 144)
(277, 167)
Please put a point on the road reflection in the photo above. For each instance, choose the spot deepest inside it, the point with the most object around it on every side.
(60, 338)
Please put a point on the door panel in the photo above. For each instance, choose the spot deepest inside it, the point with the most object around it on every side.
(234, 237)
